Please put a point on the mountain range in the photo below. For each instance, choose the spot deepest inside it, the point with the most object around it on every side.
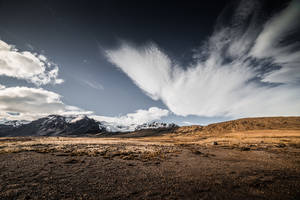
(56, 125)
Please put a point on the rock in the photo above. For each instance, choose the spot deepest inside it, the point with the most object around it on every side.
(281, 145)
(215, 143)
(197, 152)
(245, 149)
(72, 161)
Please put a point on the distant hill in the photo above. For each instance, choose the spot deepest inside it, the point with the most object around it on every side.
(245, 124)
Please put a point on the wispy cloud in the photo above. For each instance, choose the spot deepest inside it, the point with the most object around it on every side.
(32, 67)
(243, 69)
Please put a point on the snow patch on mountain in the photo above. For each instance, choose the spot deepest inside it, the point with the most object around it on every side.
(155, 125)
(14, 123)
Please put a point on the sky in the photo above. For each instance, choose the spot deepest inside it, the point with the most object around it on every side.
(187, 62)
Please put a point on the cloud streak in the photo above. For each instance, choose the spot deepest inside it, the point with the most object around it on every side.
(93, 84)
(244, 69)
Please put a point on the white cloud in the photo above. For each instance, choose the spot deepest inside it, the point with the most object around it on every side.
(130, 120)
(25, 65)
(33, 103)
(135, 62)
(225, 80)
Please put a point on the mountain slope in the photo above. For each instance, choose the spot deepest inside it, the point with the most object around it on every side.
(54, 125)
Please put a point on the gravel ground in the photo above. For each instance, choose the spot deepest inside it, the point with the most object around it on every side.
(139, 170)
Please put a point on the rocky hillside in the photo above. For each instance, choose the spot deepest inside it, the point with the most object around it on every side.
(53, 125)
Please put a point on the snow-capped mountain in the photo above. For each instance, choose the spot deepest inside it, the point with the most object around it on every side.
(114, 127)
(155, 125)
(56, 125)
(53, 125)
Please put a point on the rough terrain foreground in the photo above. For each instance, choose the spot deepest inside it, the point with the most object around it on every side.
(243, 159)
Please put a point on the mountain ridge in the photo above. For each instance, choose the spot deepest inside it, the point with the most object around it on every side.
(57, 125)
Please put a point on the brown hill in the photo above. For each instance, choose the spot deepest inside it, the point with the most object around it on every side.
(245, 124)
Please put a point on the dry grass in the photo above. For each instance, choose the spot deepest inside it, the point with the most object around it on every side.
(107, 148)
(148, 148)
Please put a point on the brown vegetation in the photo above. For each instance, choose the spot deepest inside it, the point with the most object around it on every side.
(255, 158)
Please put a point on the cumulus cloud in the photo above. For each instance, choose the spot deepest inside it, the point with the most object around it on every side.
(32, 103)
(244, 69)
(136, 118)
(28, 66)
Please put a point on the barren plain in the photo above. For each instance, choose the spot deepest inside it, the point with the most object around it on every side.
(243, 159)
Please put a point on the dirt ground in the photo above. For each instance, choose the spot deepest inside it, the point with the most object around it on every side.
(242, 165)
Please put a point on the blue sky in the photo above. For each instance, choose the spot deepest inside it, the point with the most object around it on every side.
(135, 63)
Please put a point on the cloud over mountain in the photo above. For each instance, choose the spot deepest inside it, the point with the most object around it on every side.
(138, 117)
(243, 69)
(32, 103)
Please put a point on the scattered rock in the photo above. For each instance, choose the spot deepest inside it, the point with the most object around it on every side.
(72, 161)
(245, 149)
(281, 145)
(197, 152)
(61, 154)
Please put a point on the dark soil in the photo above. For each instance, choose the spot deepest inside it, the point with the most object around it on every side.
(190, 172)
